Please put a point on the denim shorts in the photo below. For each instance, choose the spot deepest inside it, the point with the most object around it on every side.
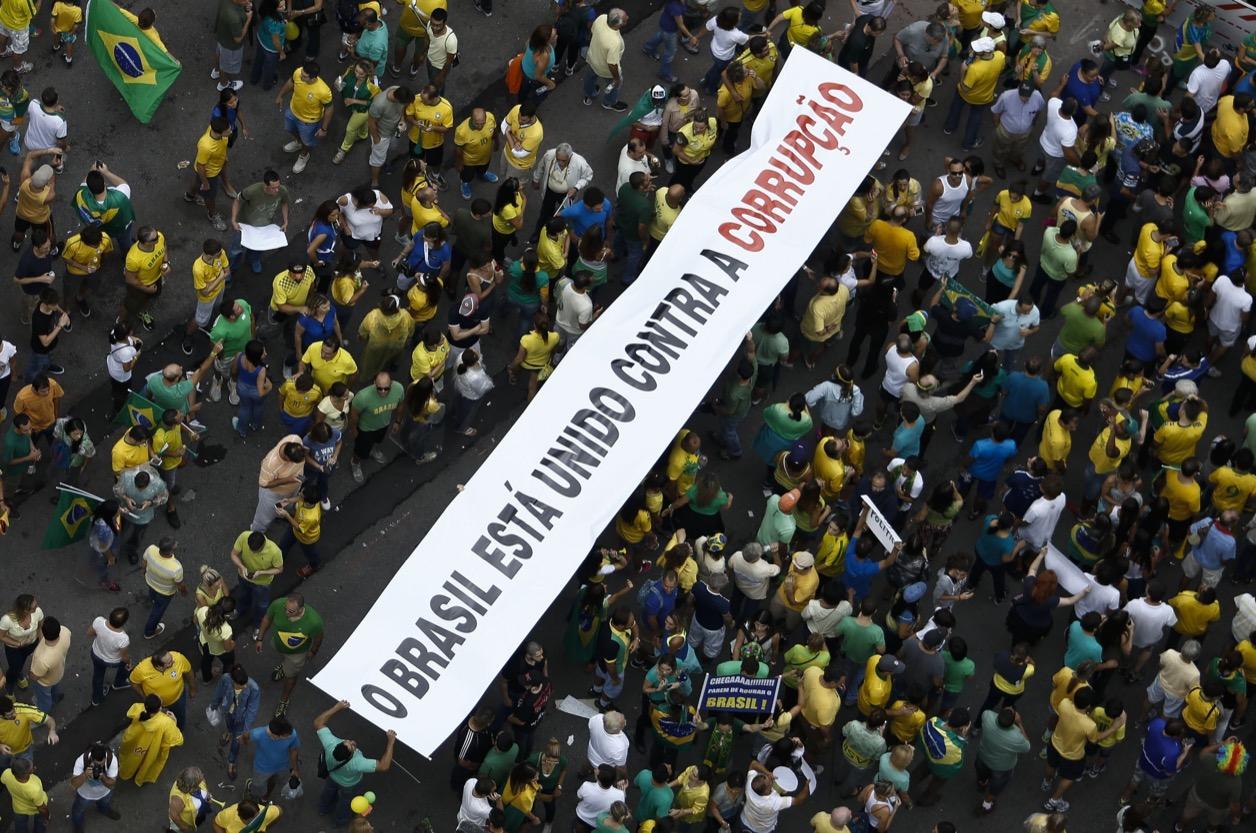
(304, 130)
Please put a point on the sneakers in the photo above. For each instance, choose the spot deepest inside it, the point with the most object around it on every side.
(233, 395)
(428, 457)
(161, 628)
(395, 72)
(355, 469)
(338, 156)
(69, 60)
(413, 71)
(489, 176)
(292, 147)
(215, 74)
(24, 67)
(55, 369)
(84, 308)
(617, 107)
(1045, 785)
(1215, 373)
(1056, 805)
(465, 190)
(586, 101)
(377, 455)
(111, 814)
(122, 687)
(186, 346)
(215, 390)
(302, 161)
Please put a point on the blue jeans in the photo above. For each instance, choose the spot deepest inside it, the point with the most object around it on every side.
(29, 824)
(976, 112)
(710, 82)
(670, 42)
(99, 669)
(46, 696)
(729, 436)
(235, 251)
(160, 602)
(249, 414)
(311, 550)
(36, 364)
(630, 251)
(265, 67)
(100, 563)
(591, 82)
(526, 311)
(78, 810)
(295, 425)
(253, 601)
(304, 132)
(179, 708)
(334, 801)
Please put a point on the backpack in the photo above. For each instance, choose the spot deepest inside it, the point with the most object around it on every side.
(650, 588)
(514, 74)
(323, 770)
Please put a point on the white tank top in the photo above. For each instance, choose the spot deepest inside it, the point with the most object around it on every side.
(951, 201)
(896, 371)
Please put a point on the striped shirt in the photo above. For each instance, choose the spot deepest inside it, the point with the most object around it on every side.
(162, 573)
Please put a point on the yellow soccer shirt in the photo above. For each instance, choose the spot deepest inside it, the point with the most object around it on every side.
(551, 252)
(1232, 490)
(285, 289)
(1200, 715)
(423, 116)
(422, 215)
(309, 522)
(1012, 214)
(664, 215)
(1248, 651)
(327, 372)
(1193, 616)
(476, 145)
(15, 732)
(422, 309)
(211, 153)
(168, 684)
(416, 13)
(982, 77)
(83, 259)
(17, 14)
(298, 403)
(28, 796)
(1056, 441)
(764, 67)
(425, 362)
(1148, 252)
(682, 465)
(731, 110)
(230, 821)
(1103, 723)
(874, 692)
(1175, 442)
(1172, 285)
(127, 456)
(799, 33)
(502, 219)
(65, 17)
(1072, 731)
(168, 444)
(147, 265)
(529, 139)
(1099, 452)
(1075, 383)
(1183, 497)
(309, 98)
(970, 12)
(537, 350)
(210, 278)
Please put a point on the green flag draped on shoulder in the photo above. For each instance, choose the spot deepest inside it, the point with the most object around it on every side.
(72, 519)
(138, 411)
(140, 69)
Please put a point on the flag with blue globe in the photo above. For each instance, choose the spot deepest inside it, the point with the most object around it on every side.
(138, 66)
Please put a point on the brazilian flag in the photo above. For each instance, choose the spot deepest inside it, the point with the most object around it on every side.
(955, 291)
(72, 519)
(138, 411)
(140, 69)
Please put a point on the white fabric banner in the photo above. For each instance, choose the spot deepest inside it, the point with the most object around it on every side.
(503, 549)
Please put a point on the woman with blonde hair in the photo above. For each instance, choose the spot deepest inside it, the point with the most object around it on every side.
(614, 819)
(19, 631)
(211, 589)
(190, 801)
(551, 769)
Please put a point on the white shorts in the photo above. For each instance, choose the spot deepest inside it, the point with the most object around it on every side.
(1226, 337)
(1156, 694)
(379, 152)
(709, 643)
(1140, 286)
(1191, 568)
(230, 61)
(19, 39)
(205, 311)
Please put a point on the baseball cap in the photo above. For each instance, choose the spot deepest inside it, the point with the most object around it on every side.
(982, 45)
(716, 543)
(890, 665)
(1026, 88)
(932, 639)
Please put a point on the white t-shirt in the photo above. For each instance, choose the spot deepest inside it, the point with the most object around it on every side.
(1102, 599)
(363, 223)
(93, 789)
(1040, 519)
(474, 808)
(594, 801)
(760, 811)
(43, 129)
(1232, 302)
(1058, 133)
(1205, 84)
(724, 42)
(628, 166)
(605, 748)
(108, 644)
(7, 352)
(574, 308)
(942, 259)
(917, 483)
(1149, 621)
(752, 579)
(896, 368)
(120, 355)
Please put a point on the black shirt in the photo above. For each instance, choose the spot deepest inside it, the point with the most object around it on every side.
(858, 46)
(472, 745)
(42, 324)
(951, 334)
(31, 265)
(466, 322)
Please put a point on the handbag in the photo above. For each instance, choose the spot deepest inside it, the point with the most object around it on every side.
(514, 75)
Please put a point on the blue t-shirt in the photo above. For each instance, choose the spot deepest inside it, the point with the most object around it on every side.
(859, 571)
(709, 607)
(989, 455)
(271, 754)
(1145, 333)
(658, 602)
(327, 248)
(906, 440)
(1022, 490)
(1086, 93)
(991, 548)
(580, 219)
(321, 452)
(1023, 396)
(1246, 84)
(1160, 752)
(1233, 259)
(222, 111)
(315, 330)
(425, 260)
(671, 10)
(1082, 647)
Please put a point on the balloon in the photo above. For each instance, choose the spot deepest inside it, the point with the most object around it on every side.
(292, 31)
(369, 796)
(360, 805)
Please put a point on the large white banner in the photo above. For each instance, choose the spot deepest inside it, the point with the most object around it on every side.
(494, 561)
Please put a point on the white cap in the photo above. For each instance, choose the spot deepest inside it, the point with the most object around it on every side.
(993, 20)
(982, 45)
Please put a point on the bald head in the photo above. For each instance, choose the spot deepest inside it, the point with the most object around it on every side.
(675, 194)
(840, 817)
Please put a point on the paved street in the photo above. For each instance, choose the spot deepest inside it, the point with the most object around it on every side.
(375, 526)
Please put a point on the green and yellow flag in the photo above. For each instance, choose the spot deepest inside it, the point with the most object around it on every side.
(138, 65)
(138, 410)
(72, 519)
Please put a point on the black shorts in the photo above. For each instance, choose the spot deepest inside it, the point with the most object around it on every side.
(1065, 767)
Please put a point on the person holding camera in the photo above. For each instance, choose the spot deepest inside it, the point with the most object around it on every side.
(94, 777)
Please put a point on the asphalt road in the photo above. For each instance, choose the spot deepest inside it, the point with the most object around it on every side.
(376, 525)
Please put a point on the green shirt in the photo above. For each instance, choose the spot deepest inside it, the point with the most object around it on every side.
(294, 636)
(515, 290)
(234, 335)
(114, 213)
(348, 774)
(269, 557)
(769, 347)
(1057, 258)
(1153, 103)
(859, 641)
(15, 445)
(257, 208)
(956, 672)
(168, 397)
(229, 25)
(497, 764)
(1080, 330)
(1075, 180)
(375, 411)
(732, 668)
(656, 799)
(778, 527)
(1250, 428)
(999, 748)
(634, 210)
(861, 745)
(1235, 683)
(1195, 219)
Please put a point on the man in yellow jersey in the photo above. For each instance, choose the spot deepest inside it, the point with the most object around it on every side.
(474, 142)
(430, 117)
(308, 113)
(15, 31)
(210, 165)
(210, 274)
(288, 293)
(976, 91)
(82, 254)
(412, 30)
(144, 271)
(523, 134)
